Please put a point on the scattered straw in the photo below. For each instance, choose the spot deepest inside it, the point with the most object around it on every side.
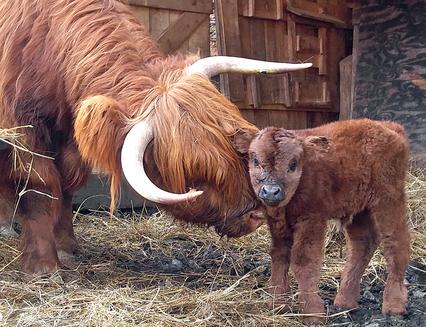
(135, 271)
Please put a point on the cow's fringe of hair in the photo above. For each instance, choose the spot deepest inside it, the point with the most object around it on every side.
(99, 129)
(193, 123)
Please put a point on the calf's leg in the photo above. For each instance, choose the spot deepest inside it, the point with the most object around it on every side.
(282, 238)
(306, 260)
(362, 240)
(391, 220)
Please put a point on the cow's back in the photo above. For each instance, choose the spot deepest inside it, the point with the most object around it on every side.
(55, 53)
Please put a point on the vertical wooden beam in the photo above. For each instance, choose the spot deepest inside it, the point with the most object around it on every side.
(345, 88)
(229, 44)
(322, 60)
(355, 21)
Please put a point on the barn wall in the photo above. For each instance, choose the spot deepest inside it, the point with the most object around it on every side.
(285, 31)
(390, 81)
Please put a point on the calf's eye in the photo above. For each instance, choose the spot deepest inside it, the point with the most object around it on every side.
(292, 165)
(256, 162)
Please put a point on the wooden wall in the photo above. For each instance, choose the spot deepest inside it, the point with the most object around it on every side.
(390, 81)
(177, 25)
(285, 31)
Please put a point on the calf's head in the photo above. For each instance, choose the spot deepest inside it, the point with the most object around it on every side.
(276, 158)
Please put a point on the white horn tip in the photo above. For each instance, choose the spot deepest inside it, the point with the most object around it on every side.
(194, 193)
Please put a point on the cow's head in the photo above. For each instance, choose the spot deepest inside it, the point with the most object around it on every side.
(276, 159)
(181, 141)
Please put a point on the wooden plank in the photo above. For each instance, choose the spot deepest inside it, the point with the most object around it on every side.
(355, 59)
(282, 56)
(266, 9)
(315, 119)
(258, 51)
(158, 22)
(261, 118)
(270, 85)
(312, 10)
(171, 38)
(142, 13)
(345, 88)
(322, 60)
(198, 6)
(229, 44)
(200, 39)
(307, 44)
(248, 114)
(335, 54)
(308, 106)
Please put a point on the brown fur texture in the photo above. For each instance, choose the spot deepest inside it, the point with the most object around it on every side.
(353, 171)
(82, 73)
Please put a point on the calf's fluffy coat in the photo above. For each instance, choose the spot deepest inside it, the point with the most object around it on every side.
(353, 171)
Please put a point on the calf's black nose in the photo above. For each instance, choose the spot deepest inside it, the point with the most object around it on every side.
(272, 194)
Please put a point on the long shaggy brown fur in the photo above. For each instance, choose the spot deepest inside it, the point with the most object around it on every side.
(83, 72)
(352, 171)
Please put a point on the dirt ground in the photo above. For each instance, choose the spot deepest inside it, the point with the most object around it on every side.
(148, 270)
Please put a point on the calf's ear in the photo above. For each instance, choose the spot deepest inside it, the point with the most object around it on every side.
(242, 139)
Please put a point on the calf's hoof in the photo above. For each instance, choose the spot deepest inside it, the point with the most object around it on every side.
(345, 302)
(395, 299)
(313, 307)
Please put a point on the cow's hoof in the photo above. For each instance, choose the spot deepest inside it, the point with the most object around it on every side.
(7, 231)
(67, 260)
(39, 266)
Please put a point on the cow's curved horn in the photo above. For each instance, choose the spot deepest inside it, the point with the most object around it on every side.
(212, 66)
(132, 154)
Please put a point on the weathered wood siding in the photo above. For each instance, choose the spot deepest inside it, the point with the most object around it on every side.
(285, 31)
(391, 71)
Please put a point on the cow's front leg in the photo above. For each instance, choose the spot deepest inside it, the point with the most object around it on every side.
(7, 206)
(39, 254)
(306, 260)
(40, 204)
(282, 239)
(65, 240)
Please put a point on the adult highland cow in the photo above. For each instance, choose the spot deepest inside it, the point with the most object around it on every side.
(96, 89)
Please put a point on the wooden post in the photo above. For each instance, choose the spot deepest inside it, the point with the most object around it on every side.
(345, 66)
(229, 44)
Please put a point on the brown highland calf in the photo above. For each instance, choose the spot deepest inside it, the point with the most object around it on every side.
(353, 171)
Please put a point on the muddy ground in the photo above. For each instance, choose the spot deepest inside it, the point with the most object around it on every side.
(138, 271)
